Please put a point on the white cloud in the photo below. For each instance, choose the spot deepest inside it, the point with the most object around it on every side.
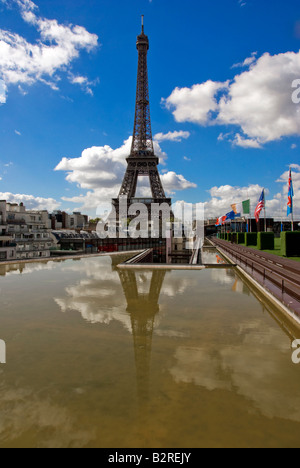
(31, 202)
(22, 62)
(186, 158)
(79, 80)
(173, 182)
(84, 82)
(172, 136)
(100, 170)
(18, 133)
(239, 140)
(245, 142)
(3, 92)
(258, 101)
(195, 104)
(247, 62)
(224, 196)
(293, 146)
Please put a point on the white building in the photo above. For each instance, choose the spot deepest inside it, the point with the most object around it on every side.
(78, 221)
(29, 230)
(7, 245)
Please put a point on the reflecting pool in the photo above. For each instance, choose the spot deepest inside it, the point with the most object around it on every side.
(101, 357)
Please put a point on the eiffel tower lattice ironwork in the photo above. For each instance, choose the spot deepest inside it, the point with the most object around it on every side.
(142, 160)
(143, 309)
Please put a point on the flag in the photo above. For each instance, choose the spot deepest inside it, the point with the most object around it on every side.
(221, 221)
(230, 216)
(234, 207)
(290, 195)
(260, 205)
(242, 207)
(246, 207)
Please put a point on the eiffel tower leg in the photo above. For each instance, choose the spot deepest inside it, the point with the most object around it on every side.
(157, 281)
(155, 184)
(129, 183)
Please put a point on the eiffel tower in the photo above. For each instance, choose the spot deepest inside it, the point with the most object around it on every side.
(142, 309)
(142, 160)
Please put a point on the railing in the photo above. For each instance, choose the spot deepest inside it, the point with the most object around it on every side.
(195, 255)
(143, 257)
(15, 221)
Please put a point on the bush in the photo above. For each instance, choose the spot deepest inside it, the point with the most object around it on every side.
(241, 238)
(290, 244)
(228, 236)
(266, 241)
(234, 237)
(251, 238)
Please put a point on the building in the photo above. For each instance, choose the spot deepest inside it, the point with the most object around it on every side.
(62, 220)
(7, 244)
(28, 232)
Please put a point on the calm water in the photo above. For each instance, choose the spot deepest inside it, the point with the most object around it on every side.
(97, 358)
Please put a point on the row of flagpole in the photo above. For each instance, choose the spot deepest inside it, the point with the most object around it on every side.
(261, 205)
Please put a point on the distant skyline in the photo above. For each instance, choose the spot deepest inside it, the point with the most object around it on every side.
(220, 77)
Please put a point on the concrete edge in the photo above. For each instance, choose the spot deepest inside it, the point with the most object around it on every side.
(68, 257)
(276, 302)
(155, 266)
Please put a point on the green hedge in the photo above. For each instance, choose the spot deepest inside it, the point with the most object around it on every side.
(251, 238)
(228, 237)
(266, 241)
(234, 237)
(241, 238)
(290, 244)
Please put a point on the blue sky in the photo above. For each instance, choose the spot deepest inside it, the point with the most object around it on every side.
(220, 76)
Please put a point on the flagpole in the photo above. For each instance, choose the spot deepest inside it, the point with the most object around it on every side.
(250, 216)
(282, 205)
(265, 211)
(292, 206)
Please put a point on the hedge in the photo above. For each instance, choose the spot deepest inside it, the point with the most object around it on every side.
(228, 237)
(241, 238)
(290, 244)
(266, 241)
(234, 237)
(251, 238)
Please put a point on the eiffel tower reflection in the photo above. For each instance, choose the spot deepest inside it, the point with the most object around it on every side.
(143, 309)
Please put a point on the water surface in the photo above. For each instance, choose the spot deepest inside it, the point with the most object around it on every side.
(102, 358)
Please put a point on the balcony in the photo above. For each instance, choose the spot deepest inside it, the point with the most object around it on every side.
(16, 221)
